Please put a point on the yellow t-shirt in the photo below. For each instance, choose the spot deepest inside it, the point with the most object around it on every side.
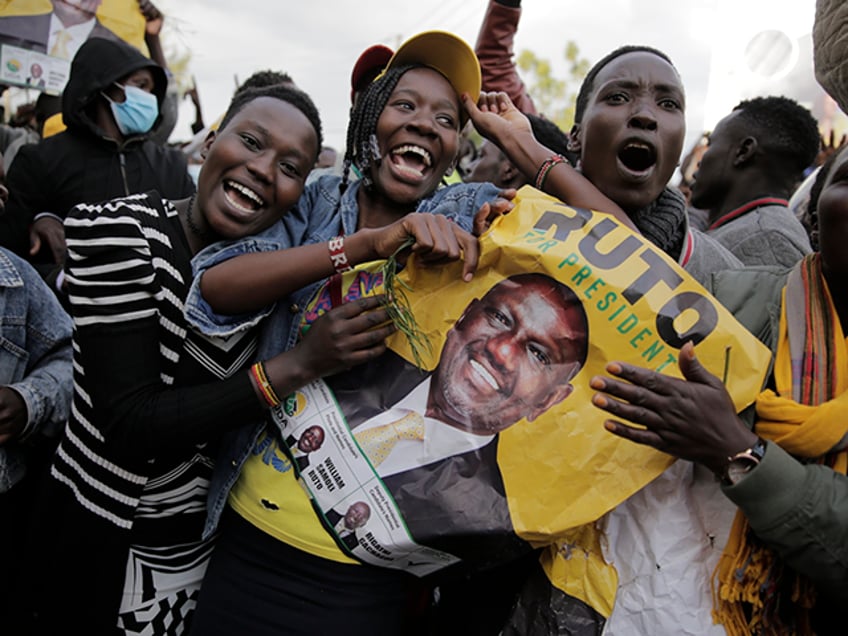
(268, 495)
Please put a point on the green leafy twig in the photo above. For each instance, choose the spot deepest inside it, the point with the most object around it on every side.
(397, 305)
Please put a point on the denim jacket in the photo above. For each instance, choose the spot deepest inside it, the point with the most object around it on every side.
(35, 359)
(319, 216)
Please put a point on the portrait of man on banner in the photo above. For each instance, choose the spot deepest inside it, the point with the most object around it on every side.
(510, 356)
(346, 524)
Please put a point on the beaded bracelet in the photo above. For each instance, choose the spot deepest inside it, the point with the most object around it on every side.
(338, 256)
(258, 371)
(546, 167)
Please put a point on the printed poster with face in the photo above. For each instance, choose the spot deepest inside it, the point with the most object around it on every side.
(492, 444)
(38, 38)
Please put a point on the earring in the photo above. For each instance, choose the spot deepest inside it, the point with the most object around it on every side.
(374, 148)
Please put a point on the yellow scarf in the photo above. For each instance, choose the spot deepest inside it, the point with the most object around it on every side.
(807, 416)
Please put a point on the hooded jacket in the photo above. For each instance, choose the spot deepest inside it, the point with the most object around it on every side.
(83, 165)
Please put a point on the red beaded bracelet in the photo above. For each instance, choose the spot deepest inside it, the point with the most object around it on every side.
(265, 387)
(338, 256)
(545, 168)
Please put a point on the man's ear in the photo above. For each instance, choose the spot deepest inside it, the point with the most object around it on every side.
(508, 173)
(575, 144)
(558, 395)
(745, 151)
(207, 143)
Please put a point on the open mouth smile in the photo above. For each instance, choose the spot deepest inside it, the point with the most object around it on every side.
(411, 160)
(242, 198)
(484, 374)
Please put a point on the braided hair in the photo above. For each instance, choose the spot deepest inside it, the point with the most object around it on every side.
(362, 148)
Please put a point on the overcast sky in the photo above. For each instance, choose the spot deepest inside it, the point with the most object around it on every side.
(317, 42)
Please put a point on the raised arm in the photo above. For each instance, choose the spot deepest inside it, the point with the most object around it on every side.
(497, 119)
(494, 49)
(152, 28)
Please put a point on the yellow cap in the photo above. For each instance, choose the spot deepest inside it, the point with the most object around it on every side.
(443, 52)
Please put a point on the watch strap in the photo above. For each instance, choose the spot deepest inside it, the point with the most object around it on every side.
(743, 462)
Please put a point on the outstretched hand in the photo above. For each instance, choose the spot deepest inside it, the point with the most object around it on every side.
(438, 240)
(693, 418)
(829, 146)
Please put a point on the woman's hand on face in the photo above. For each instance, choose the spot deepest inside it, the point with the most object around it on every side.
(488, 212)
(693, 418)
(437, 240)
(496, 117)
(344, 337)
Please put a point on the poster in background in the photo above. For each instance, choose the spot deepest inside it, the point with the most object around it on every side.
(38, 38)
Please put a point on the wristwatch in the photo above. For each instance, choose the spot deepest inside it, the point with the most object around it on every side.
(743, 462)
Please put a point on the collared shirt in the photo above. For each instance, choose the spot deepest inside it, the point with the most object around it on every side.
(76, 35)
(441, 440)
(762, 232)
(342, 530)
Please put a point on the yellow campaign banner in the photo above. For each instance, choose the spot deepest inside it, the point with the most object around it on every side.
(38, 38)
(641, 307)
(493, 442)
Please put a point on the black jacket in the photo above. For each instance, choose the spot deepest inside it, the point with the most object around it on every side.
(81, 165)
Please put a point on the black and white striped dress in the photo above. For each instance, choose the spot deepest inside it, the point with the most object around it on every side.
(151, 398)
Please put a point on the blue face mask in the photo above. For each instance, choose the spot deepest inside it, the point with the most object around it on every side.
(137, 113)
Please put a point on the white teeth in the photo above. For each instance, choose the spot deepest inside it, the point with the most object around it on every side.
(636, 144)
(484, 373)
(236, 204)
(250, 194)
(418, 150)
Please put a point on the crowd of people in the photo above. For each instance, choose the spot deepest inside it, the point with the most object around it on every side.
(153, 310)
